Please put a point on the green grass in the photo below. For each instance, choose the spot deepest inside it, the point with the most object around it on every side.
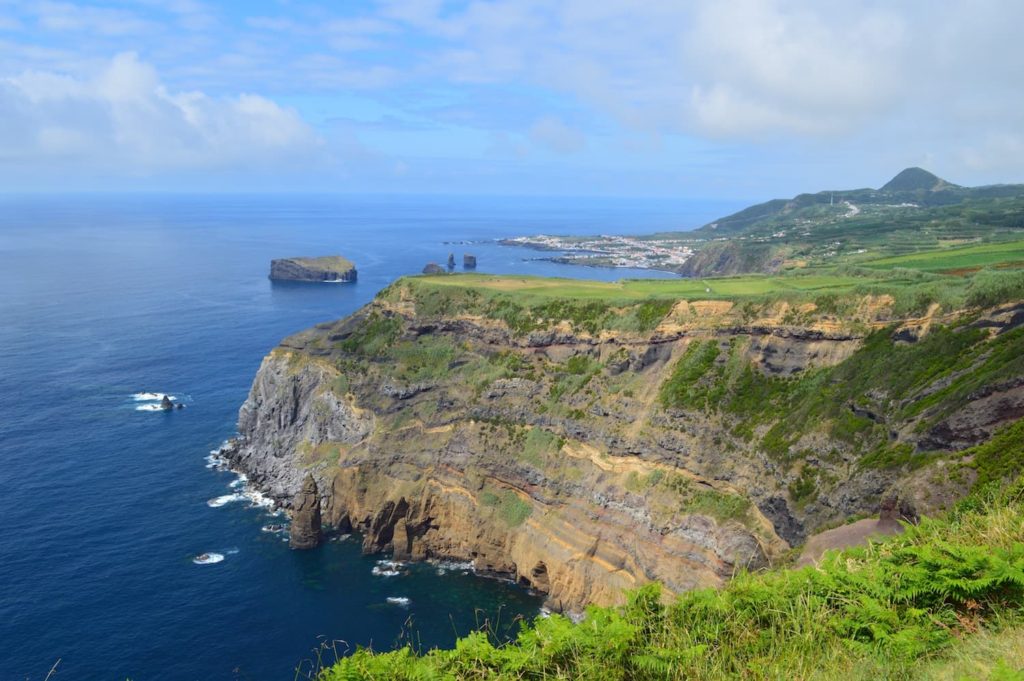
(529, 290)
(938, 260)
(945, 596)
(512, 510)
(335, 263)
(540, 444)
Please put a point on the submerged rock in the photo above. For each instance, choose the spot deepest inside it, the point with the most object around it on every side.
(305, 531)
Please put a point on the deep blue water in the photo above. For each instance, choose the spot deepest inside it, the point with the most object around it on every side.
(104, 506)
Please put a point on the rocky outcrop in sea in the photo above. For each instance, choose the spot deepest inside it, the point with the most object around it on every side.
(306, 530)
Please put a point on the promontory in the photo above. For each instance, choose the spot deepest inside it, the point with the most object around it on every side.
(332, 268)
(584, 438)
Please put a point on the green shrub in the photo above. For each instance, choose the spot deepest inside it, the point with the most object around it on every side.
(373, 336)
(507, 505)
(682, 389)
(992, 287)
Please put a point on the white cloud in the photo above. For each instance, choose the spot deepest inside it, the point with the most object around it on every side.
(62, 16)
(553, 134)
(123, 119)
(742, 69)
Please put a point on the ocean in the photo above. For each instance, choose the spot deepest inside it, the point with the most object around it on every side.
(106, 504)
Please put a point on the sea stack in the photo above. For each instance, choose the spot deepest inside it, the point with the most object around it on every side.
(433, 268)
(451, 261)
(166, 404)
(305, 531)
(331, 268)
(468, 262)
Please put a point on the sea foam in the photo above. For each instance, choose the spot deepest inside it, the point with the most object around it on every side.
(387, 568)
(152, 397)
(208, 558)
(217, 502)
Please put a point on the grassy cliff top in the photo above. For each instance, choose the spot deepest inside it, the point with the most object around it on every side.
(912, 285)
(632, 290)
(333, 263)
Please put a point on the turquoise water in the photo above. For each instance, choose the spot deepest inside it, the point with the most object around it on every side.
(105, 506)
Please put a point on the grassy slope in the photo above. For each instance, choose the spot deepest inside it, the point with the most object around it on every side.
(983, 255)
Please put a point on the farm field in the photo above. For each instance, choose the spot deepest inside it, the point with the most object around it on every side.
(958, 258)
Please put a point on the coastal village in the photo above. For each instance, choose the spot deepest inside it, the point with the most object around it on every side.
(610, 250)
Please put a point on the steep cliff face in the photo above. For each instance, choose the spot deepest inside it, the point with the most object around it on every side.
(583, 460)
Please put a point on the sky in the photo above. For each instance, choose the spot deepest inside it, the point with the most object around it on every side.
(707, 99)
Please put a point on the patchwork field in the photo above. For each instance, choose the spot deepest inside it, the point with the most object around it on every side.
(962, 259)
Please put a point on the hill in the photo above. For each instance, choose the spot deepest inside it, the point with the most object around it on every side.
(915, 212)
(916, 179)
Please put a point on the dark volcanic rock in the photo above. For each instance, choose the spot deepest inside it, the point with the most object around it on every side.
(469, 262)
(328, 268)
(305, 532)
(166, 403)
(433, 268)
(451, 261)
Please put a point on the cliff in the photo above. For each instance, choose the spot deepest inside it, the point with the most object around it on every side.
(332, 268)
(584, 446)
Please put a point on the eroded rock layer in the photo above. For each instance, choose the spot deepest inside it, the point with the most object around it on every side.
(582, 461)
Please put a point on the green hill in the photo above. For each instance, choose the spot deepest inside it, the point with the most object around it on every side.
(915, 212)
(914, 179)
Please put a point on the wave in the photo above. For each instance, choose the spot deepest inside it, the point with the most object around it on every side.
(444, 566)
(215, 461)
(224, 499)
(398, 600)
(387, 568)
(256, 498)
(149, 407)
(208, 558)
(152, 397)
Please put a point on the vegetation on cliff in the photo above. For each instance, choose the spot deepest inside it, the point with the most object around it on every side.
(944, 600)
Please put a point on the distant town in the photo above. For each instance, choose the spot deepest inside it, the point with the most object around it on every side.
(610, 250)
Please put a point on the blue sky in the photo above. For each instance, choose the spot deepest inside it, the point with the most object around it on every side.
(705, 98)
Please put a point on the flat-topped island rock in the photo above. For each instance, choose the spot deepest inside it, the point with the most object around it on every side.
(332, 268)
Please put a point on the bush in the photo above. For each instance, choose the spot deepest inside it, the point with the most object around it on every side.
(991, 287)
